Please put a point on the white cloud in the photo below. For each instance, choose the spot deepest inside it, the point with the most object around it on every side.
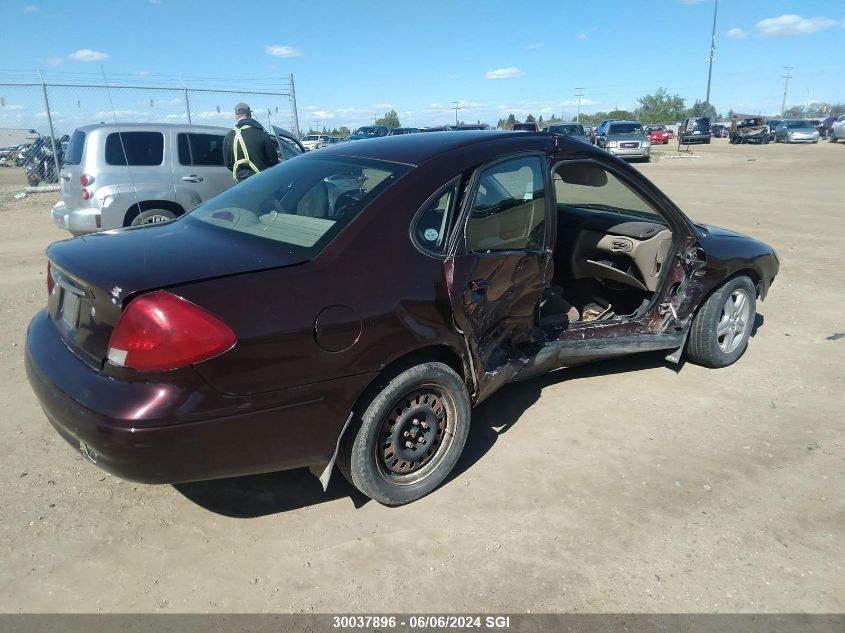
(283, 51)
(736, 34)
(533, 47)
(54, 61)
(143, 73)
(29, 8)
(383, 105)
(87, 55)
(582, 36)
(789, 24)
(504, 73)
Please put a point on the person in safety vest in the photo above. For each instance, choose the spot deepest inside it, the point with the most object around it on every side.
(247, 148)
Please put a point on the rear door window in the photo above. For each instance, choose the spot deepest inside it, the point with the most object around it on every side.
(73, 154)
(135, 148)
(200, 149)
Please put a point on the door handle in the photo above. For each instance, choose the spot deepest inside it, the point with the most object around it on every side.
(479, 284)
(192, 178)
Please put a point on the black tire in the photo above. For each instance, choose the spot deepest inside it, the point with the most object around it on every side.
(705, 347)
(33, 179)
(153, 216)
(831, 137)
(414, 408)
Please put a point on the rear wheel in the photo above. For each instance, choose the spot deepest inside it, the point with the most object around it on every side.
(720, 331)
(153, 216)
(409, 436)
(831, 136)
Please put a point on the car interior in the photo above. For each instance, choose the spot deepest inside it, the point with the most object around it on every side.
(611, 249)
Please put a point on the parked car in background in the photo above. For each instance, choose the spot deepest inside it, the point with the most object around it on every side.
(271, 329)
(796, 131)
(695, 130)
(568, 129)
(437, 128)
(748, 128)
(718, 130)
(398, 131)
(117, 175)
(772, 125)
(471, 126)
(527, 126)
(625, 139)
(657, 134)
(837, 130)
(599, 131)
(590, 133)
(315, 141)
(368, 131)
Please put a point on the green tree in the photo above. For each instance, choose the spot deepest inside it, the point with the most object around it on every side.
(661, 108)
(530, 118)
(344, 131)
(390, 120)
(702, 108)
(620, 114)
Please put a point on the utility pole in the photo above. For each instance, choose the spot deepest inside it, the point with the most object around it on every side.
(712, 50)
(579, 94)
(786, 79)
(375, 117)
(456, 108)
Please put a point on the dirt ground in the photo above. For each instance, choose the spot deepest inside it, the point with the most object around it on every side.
(624, 486)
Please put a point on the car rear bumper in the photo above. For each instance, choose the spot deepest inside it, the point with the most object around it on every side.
(176, 432)
(77, 221)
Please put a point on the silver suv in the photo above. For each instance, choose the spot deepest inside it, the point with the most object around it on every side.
(625, 139)
(118, 175)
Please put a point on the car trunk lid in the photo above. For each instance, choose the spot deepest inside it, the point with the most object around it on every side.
(95, 275)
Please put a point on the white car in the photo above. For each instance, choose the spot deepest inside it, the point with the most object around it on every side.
(837, 130)
(315, 141)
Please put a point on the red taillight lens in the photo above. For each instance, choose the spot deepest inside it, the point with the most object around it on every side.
(160, 331)
(86, 194)
(86, 180)
(50, 282)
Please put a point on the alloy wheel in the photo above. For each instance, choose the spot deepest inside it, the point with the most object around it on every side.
(733, 324)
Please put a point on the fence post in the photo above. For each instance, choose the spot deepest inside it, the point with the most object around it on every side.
(50, 122)
(294, 114)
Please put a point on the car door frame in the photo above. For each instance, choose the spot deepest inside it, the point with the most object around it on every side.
(494, 364)
(663, 324)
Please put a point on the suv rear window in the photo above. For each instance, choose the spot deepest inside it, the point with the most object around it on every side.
(140, 148)
(73, 154)
(200, 149)
(303, 204)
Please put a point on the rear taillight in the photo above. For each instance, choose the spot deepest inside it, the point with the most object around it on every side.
(86, 180)
(51, 283)
(161, 331)
(86, 194)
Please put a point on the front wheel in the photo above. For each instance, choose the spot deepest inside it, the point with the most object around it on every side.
(409, 436)
(720, 331)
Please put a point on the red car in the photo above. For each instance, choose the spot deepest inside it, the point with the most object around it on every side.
(657, 134)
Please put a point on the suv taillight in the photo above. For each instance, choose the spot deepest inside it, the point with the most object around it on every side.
(86, 180)
(161, 331)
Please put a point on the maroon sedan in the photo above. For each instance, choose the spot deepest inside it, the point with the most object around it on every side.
(353, 305)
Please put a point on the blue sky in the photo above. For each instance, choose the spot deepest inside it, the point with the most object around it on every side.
(354, 59)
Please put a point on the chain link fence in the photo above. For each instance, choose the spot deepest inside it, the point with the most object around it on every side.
(46, 113)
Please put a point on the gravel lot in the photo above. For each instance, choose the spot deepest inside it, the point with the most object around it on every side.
(630, 485)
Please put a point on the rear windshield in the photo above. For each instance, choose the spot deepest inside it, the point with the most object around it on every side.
(135, 148)
(73, 154)
(798, 124)
(567, 129)
(303, 204)
(624, 128)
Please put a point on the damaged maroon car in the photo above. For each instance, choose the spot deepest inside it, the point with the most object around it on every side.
(352, 306)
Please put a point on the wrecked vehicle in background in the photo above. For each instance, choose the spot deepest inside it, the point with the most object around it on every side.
(354, 304)
(749, 128)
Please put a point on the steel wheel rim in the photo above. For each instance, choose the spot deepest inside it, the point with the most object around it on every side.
(416, 435)
(733, 323)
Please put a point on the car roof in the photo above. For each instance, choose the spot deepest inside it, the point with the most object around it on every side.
(415, 149)
(146, 127)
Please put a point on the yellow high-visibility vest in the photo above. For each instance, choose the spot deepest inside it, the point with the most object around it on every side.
(239, 141)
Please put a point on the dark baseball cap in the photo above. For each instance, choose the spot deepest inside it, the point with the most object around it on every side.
(242, 108)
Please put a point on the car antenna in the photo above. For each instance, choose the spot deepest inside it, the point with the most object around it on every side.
(120, 136)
